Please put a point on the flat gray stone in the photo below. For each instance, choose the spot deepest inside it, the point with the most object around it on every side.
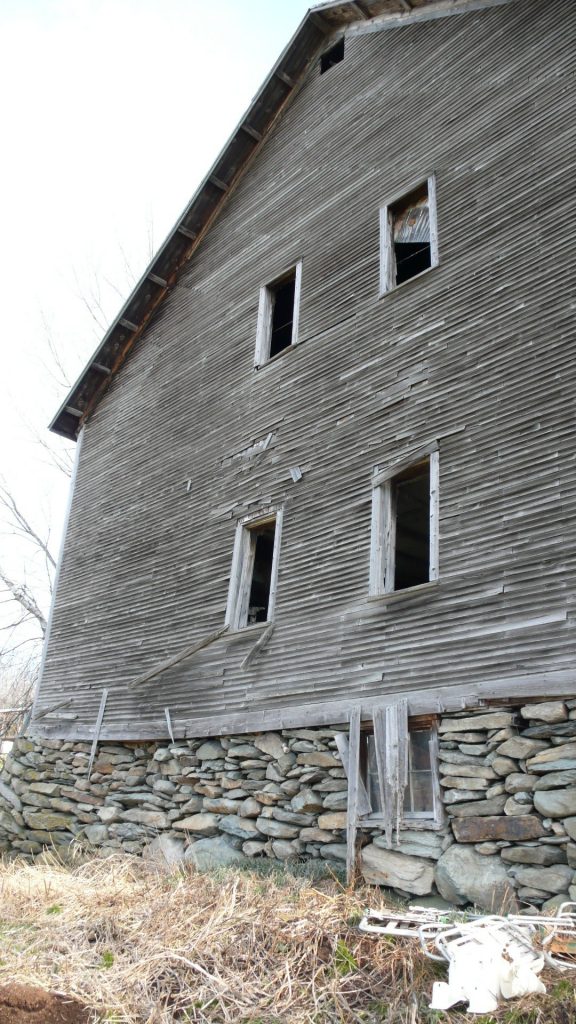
(471, 784)
(200, 824)
(164, 852)
(492, 720)
(513, 806)
(520, 782)
(479, 807)
(270, 743)
(333, 851)
(96, 834)
(464, 876)
(153, 819)
(254, 848)
(8, 824)
(467, 771)
(504, 766)
(521, 747)
(243, 828)
(454, 796)
(284, 850)
(10, 796)
(319, 759)
(333, 820)
(210, 751)
(543, 855)
(306, 800)
(553, 879)
(556, 780)
(542, 762)
(414, 843)
(212, 853)
(277, 829)
(555, 803)
(548, 711)
(396, 870)
(316, 835)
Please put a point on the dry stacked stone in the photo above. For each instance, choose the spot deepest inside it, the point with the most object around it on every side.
(207, 801)
(509, 788)
(507, 778)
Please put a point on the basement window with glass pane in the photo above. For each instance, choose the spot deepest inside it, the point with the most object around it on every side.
(408, 236)
(254, 573)
(420, 801)
(404, 550)
(278, 315)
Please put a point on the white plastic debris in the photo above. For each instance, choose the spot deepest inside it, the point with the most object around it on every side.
(489, 957)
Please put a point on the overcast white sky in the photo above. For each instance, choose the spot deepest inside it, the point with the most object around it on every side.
(112, 112)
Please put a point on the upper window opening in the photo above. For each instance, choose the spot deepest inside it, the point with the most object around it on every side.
(282, 314)
(278, 315)
(262, 540)
(409, 237)
(254, 571)
(411, 500)
(332, 56)
(405, 526)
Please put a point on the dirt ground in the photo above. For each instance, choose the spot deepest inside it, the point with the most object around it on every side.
(23, 1004)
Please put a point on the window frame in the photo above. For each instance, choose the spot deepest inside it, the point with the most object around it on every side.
(265, 310)
(432, 820)
(383, 526)
(243, 565)
(387, 257)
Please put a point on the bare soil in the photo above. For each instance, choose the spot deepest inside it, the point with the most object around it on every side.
(25, 1004)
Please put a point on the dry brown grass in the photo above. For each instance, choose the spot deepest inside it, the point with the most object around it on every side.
(221, 948)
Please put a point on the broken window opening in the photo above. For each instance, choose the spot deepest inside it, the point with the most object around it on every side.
(332, 56)
(419, 794)
(405, 508)
(262, 541)
(282, 314)
(278, 315)
(411, 501)
(408, 230)
(254, 574)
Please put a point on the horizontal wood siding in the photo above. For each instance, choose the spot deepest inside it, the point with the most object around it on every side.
(477, 353)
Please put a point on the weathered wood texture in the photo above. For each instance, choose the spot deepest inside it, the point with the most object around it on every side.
(476, 353)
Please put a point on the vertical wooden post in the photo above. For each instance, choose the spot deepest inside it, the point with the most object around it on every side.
(97, 729)
(353, 778)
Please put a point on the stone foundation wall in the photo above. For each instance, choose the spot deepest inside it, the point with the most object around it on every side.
(508, 779)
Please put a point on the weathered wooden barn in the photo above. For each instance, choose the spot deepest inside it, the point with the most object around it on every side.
(325, 490)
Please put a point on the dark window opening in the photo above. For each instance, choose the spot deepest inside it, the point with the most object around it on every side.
(419, 792)
(262, 539)
(411, 234)
(332, 56)
(411, 501)
(283, 295)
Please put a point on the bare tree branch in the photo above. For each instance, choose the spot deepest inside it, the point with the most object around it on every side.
(25, 598)
(21, 525)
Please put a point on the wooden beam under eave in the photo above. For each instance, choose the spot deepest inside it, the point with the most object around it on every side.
(285, 78)
(73, 412)
(158, 280)
(257, 136)
(320, 22)
(187, 232)
(128, 324)
(101, 368)
(218, 183)
(359, 10)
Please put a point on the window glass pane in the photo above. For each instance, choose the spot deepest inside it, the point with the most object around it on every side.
(419, 797)
(419, 794)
